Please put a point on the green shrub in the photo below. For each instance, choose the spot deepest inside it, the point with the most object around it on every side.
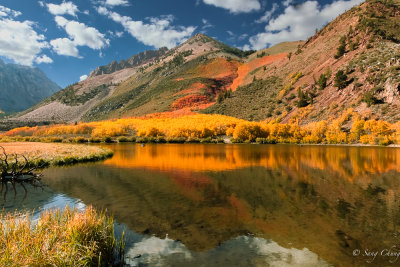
(122, 139)
(302, 102)
(108, 139)
(298, 51)
(342, 47)
(193, 140)
(176, 140)
(220, 140)
(161, 140)
(322, 81)
(142, 140)
(265, 141)
(340, 79)
(206, 140)
(80, 140)
(370, 99)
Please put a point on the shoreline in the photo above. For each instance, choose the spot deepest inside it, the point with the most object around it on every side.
(55, 154)
(351, 145)
(255, 143)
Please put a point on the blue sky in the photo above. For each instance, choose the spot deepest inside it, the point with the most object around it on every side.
(67, 39)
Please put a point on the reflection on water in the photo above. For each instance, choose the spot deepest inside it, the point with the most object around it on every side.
(218, 201)
(252, 251)
(350, 162)
(23, 197)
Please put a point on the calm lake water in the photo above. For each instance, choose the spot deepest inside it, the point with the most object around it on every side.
(239, 205)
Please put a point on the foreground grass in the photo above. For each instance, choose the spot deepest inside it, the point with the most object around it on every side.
(68, 238)
(56, 154)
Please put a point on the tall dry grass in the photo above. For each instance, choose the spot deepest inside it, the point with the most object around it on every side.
(58, 238)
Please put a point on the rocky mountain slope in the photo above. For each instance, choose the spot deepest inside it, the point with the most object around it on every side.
(362, 44)
(134, 61)
(21, 87)
(186, 78)
(353, 62)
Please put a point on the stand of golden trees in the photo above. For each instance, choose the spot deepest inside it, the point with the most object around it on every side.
(347, 129)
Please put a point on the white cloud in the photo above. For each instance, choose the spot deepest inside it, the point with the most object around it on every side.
(41, 3)
(236, 6)
(43, 59)
(160, 252)
(65, 47)
(157, 33)
(65, 8)
(300, 22)
(268, 14)
(82, 35)
(5, 12)
(235, 38)
(243, 36)
(287, 2)
(19, 41)
(83, 77)
(116, 34)
(116, 2)
(246, 47)
(206, 24)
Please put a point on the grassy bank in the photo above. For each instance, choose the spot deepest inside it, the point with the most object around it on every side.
(55, 154)
(68, 238)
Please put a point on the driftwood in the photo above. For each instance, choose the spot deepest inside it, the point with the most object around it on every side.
(13, 170)
(15, 173)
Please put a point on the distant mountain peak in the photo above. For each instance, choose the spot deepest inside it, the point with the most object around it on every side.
(200, 38)
(133, 61)
(22, 86)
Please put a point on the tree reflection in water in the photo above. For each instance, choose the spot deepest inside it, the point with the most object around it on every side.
(330, 200)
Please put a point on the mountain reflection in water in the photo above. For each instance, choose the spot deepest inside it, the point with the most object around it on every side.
(312, 200)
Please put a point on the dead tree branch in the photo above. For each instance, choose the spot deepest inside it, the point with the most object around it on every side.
(17, 171)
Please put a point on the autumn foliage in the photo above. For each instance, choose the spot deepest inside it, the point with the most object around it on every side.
(347, 129)
(190, 101)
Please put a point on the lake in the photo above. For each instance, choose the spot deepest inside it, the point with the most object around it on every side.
(238, 205)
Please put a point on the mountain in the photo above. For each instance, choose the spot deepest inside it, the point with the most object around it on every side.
(175, 81)
(353, 62)
(22, 86)
(363, 44)
(134, 61)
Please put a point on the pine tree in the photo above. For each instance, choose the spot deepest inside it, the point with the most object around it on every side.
(302, 99)
(340, 79)
(322, 81)
(220, 98)
(342, 48)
